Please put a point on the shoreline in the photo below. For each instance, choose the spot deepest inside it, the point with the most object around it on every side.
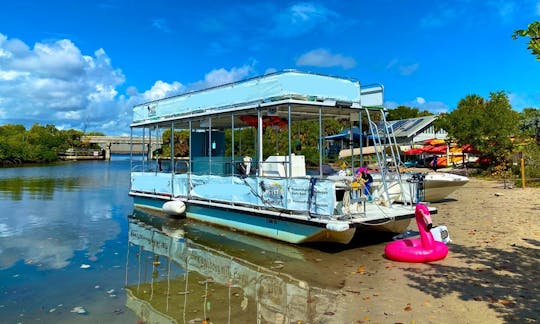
(487, 277)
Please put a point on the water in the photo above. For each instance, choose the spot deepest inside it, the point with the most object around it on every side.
(70, 241)
(53, 220)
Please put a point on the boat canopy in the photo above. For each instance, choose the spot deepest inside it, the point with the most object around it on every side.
(270, 89)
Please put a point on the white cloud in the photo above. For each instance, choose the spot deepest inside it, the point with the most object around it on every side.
(68, 115)
(404, 70)
(442, 15)
(53, 82)
(301, 18)
(420, 100)
(11, 75)
(391, 64)
(162, 89)
(221, 76)
(504, 9)
(407, 70)
(323, 58)
(161, 25)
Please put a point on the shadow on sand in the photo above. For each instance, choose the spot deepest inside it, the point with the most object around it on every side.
(360, 239)
(505, 279)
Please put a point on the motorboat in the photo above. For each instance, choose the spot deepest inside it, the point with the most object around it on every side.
(422, 187)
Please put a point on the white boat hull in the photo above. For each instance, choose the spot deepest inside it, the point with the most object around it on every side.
(437, 186)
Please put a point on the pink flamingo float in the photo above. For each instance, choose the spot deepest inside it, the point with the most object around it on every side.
(424, 249)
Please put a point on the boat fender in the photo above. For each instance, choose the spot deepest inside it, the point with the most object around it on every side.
(337, 226)
(174, 207)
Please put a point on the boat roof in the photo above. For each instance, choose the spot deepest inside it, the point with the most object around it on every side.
(303, 90)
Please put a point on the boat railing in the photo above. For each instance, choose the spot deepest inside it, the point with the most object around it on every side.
(160, 165)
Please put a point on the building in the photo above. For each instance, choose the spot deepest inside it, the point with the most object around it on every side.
(409, 132)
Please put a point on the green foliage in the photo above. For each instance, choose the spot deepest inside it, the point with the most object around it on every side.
(91, 133)
(533, 33)
(531, 154)
(38, 144)
(181, 143)
(487, 125)
(404, 112)
(529, 123)
(244, 142)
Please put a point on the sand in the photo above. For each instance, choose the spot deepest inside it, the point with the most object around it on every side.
(491, 275)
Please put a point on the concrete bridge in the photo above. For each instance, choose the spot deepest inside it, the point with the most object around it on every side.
(121, 144)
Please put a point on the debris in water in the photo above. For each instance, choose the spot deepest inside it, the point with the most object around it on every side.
(85, 266)
(79, 310)
(244, 303)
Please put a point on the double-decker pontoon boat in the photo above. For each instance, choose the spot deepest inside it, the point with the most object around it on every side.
(250, 155)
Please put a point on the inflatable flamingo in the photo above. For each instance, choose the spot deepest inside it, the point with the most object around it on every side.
(424, 249)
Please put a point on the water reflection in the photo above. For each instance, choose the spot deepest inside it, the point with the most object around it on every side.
(183, 271)
(35, 188)
(48, 213)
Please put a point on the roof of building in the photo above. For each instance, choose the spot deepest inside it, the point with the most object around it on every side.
(412, 126)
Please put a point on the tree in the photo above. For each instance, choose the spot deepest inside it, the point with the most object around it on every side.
(529, 123)
(533, 32)
(38, 144)
(181, 143)
(487, 125)
(404, 112)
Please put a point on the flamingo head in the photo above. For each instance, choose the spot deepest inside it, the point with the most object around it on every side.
(428, 222)
(423, 211)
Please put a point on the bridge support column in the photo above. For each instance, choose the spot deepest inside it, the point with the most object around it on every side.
(107, 153)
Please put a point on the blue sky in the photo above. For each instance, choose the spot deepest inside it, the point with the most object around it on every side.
(84, 64)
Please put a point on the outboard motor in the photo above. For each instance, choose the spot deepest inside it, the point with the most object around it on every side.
(417, 182)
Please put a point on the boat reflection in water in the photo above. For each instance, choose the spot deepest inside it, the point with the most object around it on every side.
(186, 272)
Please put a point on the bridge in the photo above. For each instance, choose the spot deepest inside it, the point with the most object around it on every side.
(121, 144)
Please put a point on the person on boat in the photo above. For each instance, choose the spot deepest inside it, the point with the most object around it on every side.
(366, 179)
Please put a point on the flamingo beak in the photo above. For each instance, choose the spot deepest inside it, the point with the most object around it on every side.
(427, 220)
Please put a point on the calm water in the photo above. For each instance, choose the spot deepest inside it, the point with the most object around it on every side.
(70, 241)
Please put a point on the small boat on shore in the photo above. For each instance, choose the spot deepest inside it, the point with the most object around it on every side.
(439, 185)
(221, 163)
(425, 187)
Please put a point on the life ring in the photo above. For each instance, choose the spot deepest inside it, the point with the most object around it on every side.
(423, 249)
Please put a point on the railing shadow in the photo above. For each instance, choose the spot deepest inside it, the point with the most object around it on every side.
(505, 279)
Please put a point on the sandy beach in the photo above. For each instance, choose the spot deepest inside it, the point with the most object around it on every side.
(490, 275)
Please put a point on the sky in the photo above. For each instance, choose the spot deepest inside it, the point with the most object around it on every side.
(84, 64)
